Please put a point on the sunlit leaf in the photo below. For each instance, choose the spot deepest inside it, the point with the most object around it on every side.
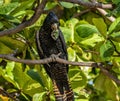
(9, 69)
(27, 84)
(77, 78)
(92, 40)
(114, 25)
(66, 4)
(101, 26)
(23, 6)
(67, 33)
(71, 54)
(69, 30)
(50, 5)
(1, 2)
(39, 97)
(111, 89)
(4, 49)
(6, 9)
(104, 84)
(77, 49)
(7, 77)
(116, 1)
(100, 82)
(12, 43)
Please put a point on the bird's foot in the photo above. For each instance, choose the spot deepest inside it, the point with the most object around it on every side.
(54, 56)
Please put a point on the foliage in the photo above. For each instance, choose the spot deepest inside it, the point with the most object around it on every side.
(90, 37)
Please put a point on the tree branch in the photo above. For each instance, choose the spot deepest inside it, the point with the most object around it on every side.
(104, 13)
(89, 4)
(108, 74)
(33, 19)
(81, 13)
(48, 60)
(39, 10)
(57, 59)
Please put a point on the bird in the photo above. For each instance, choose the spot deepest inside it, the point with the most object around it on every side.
(50, 41)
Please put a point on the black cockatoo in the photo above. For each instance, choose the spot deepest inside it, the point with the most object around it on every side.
(50, 40)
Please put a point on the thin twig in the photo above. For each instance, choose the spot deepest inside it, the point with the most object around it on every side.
(115, 47)
(81, 13)
(104, 13)
(5, 93)
(89, 4)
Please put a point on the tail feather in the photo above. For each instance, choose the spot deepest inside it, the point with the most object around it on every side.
(62, 93)
(61, 85)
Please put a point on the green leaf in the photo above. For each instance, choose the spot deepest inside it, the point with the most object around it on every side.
(105, 84)
(1, 2)
(67, 33)
(96, 49)
(1, 25)
(77, 78)
(39, 97)
(9, 69)
(34, 75)
(66, 4)
(99, 82)
(50, 5)
(116, 1)
(7, 77)
(20, 77)
(4, 49)
(115, 36)
(114, 25)
(71, 54)
(91, 41)
(25, 82)
(23, 6)
(78, 50)
(69, 30)
(12, 43)
(86, 30)
(106, 51)
(45, 79)
(6, 9)
(101, 26)
(111, 89)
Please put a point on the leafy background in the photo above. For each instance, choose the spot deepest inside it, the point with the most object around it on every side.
(89, 37)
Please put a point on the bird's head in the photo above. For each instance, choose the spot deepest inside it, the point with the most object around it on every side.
(51, 24)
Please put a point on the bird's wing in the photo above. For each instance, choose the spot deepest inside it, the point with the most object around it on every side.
(39, 48)
(63, 44)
